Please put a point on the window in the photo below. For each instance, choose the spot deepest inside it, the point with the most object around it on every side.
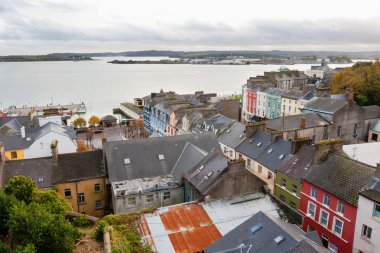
(355, 130)
(292, 204)
(248, 162)
(313, 140)
(149, 198)
(282, 197)
(366, 231)
(81, 198)
(166, 195)
(260, 169)
(374, 137)
(290, 108)
(338, 227)
(339, 131)
(311, 210)
(376, 211)
(13, 154)
(67, 193)
(326, 199)
(270, 175)
(98, 204)
(294, 188)
(325, 240)
(333, 247)
(283, 182)
(97, 188)
(131, 201)
(313, 192)
(340, 207)
(324, 218)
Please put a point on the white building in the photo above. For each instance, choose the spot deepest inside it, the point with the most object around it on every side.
(367, 228)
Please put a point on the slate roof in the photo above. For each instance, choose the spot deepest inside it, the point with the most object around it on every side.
(13, 124)
(207, 171)
(15, 142)
(376, 127)
(251, 146)
(294, 94)
(372, 112)
(293, 122)
(233, 135)
(109, 118)
(190, 156)
(305, 246)
(22, 121)
(325, 105)
(373, 193)
(342, 177)
(33, 168)
(143, 155)
(275, 154)
(79, 166)
(245, 239)
(308, 96)
(298, 165)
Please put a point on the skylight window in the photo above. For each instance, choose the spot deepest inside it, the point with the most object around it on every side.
(281, 156)
(209, 174)
(259, 144)
(270, 150)
(256, 228)
(201, 168)
(127, 161)
(241, 135)
(250, 141)
(278, 239)
(40, 179)
(228, 130)
(161, 157)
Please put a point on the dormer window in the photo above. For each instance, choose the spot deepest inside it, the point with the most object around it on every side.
(161, 157)
(240, 135)
(229, 130)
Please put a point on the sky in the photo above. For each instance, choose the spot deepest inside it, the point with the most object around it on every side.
(47, 26)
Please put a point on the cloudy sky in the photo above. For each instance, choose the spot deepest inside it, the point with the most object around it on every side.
(46, 26)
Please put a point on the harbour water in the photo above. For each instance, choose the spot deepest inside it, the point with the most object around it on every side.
(102, 86)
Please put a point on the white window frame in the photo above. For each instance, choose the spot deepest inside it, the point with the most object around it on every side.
(340, 205)
(131, 201)
(283, 182)
(364, 233)
(374, 210)
(320, 218)
(308, 209)
(96, 205)
(166, 196)
(326, 196)
(333, 227)
(311, 192)
(146, 198)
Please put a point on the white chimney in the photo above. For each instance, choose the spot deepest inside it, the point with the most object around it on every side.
(23, 132)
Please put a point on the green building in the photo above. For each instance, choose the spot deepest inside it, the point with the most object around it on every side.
(289, 176)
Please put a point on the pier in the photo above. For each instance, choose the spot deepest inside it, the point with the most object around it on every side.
(69, 109)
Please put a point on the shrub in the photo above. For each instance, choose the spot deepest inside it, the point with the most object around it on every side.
(4, 248)
(100, 230)
(81, 221)
(27, 249)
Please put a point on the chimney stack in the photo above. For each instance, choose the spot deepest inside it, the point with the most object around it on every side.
(251, 128)
(322, 148)
(2, 162)
(54, 151)
(23, 132)
(296, 144)
(104, 138)
(303, 123)
(350, 95)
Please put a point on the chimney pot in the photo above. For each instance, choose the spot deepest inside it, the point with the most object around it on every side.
(303, 123)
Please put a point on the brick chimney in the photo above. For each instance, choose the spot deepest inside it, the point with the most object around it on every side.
(303, 123)
(22, 132)
(377, 172)
(322, 148)
(251, 128)
(237, 165)
(54, 151)
(350, 95)
(296, 144)
(104, 138)
(198, 93)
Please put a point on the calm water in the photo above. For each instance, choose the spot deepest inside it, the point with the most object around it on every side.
(102, 86)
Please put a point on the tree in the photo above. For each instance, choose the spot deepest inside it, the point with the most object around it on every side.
(94, 121)
(48, 232)
(30, 248)
(82, 147)
(79, 122)
(363, 78)
(21, 187)
(51, 200)
(6, 204)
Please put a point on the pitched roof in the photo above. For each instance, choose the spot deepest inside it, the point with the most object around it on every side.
(79, 166)
(207, 171)
(191, 227)
(373, 193)
(297, 166)
(325, 105)
(342, 177)
(15, 142)
(376, 127)
(21, 120)
(34, 168)
(233, 135)
(293, 122)
(109, 118)
(372, 111)
(260, 233)
(152, 156)
(190, 156)
(254, 145)
(294, 94)
(275, 154)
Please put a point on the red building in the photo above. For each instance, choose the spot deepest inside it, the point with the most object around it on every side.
(249, 100)
(329, 198)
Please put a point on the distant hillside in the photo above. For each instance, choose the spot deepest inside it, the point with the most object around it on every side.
(31, 58)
